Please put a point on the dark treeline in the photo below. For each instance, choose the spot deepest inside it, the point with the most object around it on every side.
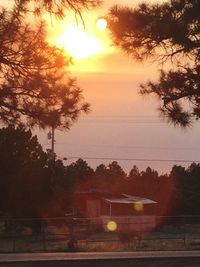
(34, 184)
(177, 193)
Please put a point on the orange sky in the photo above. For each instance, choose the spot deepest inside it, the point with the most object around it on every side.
(122, 124)
(107, 56)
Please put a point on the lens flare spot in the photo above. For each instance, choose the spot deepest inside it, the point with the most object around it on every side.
(112, 226)
(101, 24)
(138, 206)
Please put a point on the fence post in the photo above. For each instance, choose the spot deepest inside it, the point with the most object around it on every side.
(44, 236)
(184, 231)
(13, 235)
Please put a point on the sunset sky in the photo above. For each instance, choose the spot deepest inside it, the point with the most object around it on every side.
(122, 124)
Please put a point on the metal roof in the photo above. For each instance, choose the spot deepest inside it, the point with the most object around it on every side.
(128, 199)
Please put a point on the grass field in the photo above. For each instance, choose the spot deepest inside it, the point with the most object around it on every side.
(99, 242)
(89, 238)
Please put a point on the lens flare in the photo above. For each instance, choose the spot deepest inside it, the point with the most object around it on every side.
(112, 226)
(101, 24)
(138, 206)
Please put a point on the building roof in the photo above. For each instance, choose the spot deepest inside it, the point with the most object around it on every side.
(116, 198)
(128, 199)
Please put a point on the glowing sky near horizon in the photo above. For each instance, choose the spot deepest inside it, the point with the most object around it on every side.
(121, 124)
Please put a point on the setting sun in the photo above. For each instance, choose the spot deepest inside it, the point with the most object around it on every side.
(78, 43)
(88, 43)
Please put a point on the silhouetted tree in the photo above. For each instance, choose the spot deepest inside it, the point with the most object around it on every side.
(115, 177)
(134, 172)
(79, 174)
(191, 199)
(61, 200)
(162, 32)
(33, 184)
(178, 176)
(24, 182)
(101, 170)
(186, 199)
(109, 178)
(132, 182)
(57, 7)
(34, 84)
(99, 181)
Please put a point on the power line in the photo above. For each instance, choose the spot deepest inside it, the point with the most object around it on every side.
(123, 116)
(125, 120)
(134, 159)
(157, 123)
(127, 147)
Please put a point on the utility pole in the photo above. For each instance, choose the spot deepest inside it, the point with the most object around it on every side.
(52, 139)
(51, 136)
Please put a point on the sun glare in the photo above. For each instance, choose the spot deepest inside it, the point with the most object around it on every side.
(78, 43)
(89, 45)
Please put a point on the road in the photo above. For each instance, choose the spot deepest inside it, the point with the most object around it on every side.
(109, 259)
